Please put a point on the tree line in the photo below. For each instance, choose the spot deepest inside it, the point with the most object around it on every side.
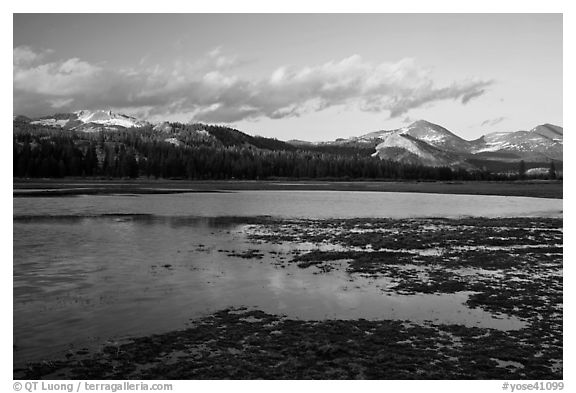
(142, 153)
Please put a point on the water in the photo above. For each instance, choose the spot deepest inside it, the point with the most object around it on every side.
(305, 204)
(81, 279)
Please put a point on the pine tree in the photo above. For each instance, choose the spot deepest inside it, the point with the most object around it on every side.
(552, 170)
(522, 169)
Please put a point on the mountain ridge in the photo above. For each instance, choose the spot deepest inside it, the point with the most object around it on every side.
(541, 143)
(90, 121)
(420, 143)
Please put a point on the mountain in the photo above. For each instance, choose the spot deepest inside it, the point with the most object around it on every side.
(429, 144)
(89, 121)
(177, 134)
(67, 144)
(420, 143)
(411, 150)
(543, 142)
(434, 135)
(549, 131)
(423, 143)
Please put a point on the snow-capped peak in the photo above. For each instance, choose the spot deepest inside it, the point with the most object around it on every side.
(90, 121)
(108, 118)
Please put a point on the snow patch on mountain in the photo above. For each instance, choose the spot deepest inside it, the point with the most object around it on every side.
(51, 122)
(434, 145)
(173, 141)
(89, 121)
(544, 141)
(108, 118)
(401, 141)
(163, 127)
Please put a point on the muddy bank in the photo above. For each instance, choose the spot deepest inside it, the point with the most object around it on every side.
(250, 344)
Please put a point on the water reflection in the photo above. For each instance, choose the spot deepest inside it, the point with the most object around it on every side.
(79, 281)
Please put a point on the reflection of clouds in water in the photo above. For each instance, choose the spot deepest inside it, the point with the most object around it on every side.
(309, 296)
(123, 228)
(348, 298)
(117, 265)
(277, 282)
(300, 282)
(331, 295)
(293, 283)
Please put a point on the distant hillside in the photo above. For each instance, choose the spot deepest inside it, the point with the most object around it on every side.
(90, 121)
(429, 144)
(178, 134)
(104, 143)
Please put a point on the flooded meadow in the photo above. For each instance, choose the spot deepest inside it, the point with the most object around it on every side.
(288, 284)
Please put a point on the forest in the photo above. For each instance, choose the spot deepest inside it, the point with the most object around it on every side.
(215, 153)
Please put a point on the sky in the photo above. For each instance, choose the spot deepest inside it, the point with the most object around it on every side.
(295, 76)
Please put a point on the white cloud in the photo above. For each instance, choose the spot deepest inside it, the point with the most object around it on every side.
(208, 89)
(24, 55)
(69, 77)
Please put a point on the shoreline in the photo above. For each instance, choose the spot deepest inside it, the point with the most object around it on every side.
(73, 187)
(251, 344)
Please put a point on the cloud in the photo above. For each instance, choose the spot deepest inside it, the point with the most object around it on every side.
(492, 122)
(209, 90)
(66, 78)
(61, 102)
(471, 95)
(24, 55)
(222, 61)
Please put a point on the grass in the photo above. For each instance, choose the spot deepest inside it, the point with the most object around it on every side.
(64, 187)
(251, 344)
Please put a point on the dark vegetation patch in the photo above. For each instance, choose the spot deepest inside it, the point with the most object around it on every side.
(416, 233)
(250, 344)
(248, 254)
(512, 265)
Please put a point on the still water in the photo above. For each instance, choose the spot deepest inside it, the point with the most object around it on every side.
(307, 204)
(83, 277)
